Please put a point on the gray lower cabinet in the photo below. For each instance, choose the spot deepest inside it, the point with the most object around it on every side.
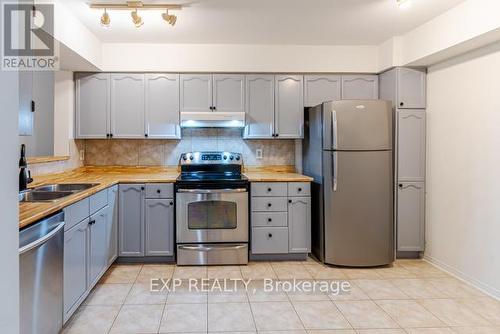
(299, 225)
(159, 227)
(75, 266)
(112, 225)
(360, 87)
(411, 217)
(98, 250)
(131, 220)
(280, 218)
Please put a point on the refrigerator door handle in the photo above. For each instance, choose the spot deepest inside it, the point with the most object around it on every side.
(334, 129)
(335, 166)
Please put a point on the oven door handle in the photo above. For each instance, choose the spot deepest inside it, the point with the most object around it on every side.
(208, 249)
(212, 191)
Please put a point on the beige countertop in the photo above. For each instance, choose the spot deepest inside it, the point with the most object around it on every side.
(111, 175)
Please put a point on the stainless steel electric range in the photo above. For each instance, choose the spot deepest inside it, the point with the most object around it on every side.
(212, 209)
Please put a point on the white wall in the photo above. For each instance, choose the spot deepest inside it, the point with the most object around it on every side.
(239, 58)
(64, 106)
(463, 167)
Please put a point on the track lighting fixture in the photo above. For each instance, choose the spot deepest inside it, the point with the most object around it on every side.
(170, 19)
(136, 19)
(403, 4)
(134, 6)
(105, 20)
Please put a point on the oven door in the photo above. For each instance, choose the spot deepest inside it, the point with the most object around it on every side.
(212, 215)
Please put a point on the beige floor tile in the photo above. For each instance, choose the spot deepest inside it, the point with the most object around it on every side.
(122, 273)
(453, 288)
(291, 271)
(295, 331)
(141, 293)
(138, 319)
(230, 317)
(258, 271)
(423, 269)
(190, 272)
(395, 272)
(325, 272)
(365, 315)
(380, 289)
(92, 319)
(355, 273)
(234, 292)
(149, 272)
(429, 331)
(452, 313)
(381, 331)
(409, 314)
(320, 315)
(184, 318)
(275, 316)
(418, 288)
(477, 330)
(331, 331)
(186, 297)
(108, 294)
(353, 293)
(223, 272)
(258, 292)
(487, 307)
(306, 291)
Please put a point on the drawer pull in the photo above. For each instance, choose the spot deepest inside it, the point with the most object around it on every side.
(270, 235)
(289, 201)
(158, 191)
(269, 190)
(171, 203)
(269, 219)
(269, 205)
(300, 189)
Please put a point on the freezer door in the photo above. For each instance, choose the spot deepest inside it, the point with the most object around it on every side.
(358, 206)
(358, 125)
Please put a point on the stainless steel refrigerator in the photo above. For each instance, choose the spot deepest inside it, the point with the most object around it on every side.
(348, 151)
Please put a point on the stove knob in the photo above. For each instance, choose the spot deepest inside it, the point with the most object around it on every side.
(184, 158)
(225, 157)
(237, 158)
(191, 157)
(231, 157)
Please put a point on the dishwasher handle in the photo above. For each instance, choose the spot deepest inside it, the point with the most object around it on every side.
(42, 240)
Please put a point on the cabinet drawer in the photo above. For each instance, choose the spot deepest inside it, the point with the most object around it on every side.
(271, 204)
(264, 219)
(269, 240)
(98, 201)
(159, 190)
(75, 213)
(299, 189)
(269, 189)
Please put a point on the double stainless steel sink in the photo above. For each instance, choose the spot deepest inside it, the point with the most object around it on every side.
(53, 192)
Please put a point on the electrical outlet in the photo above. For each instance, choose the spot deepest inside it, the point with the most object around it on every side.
(258, 153)
(82, 155)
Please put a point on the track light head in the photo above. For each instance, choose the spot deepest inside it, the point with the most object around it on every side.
(105, 20)
(170, 19)
(136, 19)
(404, 4)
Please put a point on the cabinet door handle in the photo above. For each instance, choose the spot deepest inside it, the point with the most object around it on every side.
(299, 190)
(146, 135)
(171, 203)
(290, 201)
(401, 104)
(269, 205)
(269, 220)
(158, 191)
(269, 190)
(142, 188)
(92, 222)
(270, 235)
(400, 185)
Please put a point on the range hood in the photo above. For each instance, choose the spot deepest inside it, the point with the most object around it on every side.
(212, 119)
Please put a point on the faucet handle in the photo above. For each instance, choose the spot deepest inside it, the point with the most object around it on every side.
(30, 179)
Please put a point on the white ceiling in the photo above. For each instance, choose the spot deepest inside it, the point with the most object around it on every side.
(308, 22)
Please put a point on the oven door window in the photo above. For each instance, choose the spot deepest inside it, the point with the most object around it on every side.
(212, 215)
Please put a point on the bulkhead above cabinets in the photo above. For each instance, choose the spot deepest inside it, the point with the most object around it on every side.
(156, 105)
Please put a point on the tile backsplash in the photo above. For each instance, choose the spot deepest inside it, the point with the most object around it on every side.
(167, 152)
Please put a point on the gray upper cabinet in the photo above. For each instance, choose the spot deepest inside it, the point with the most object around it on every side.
(289, 106)
(299, 224)
(112, 225)
(127, 105)
(411, 145)
(321, 88)
(162, 106)
(131, 220)
(411, 217)
(259, 107)
(92, 119)
(75, 266)
(159, 227)
(98, 258)
(411, 88)
(195, 92)
(359, 87)
(229, 92)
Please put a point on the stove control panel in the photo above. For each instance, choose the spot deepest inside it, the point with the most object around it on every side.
(211, 158)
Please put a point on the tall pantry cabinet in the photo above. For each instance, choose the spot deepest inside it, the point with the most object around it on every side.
(406, 88)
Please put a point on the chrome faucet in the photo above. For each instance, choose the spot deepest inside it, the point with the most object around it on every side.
(24, 174)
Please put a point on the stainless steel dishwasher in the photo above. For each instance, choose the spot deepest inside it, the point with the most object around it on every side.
(41, 276)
